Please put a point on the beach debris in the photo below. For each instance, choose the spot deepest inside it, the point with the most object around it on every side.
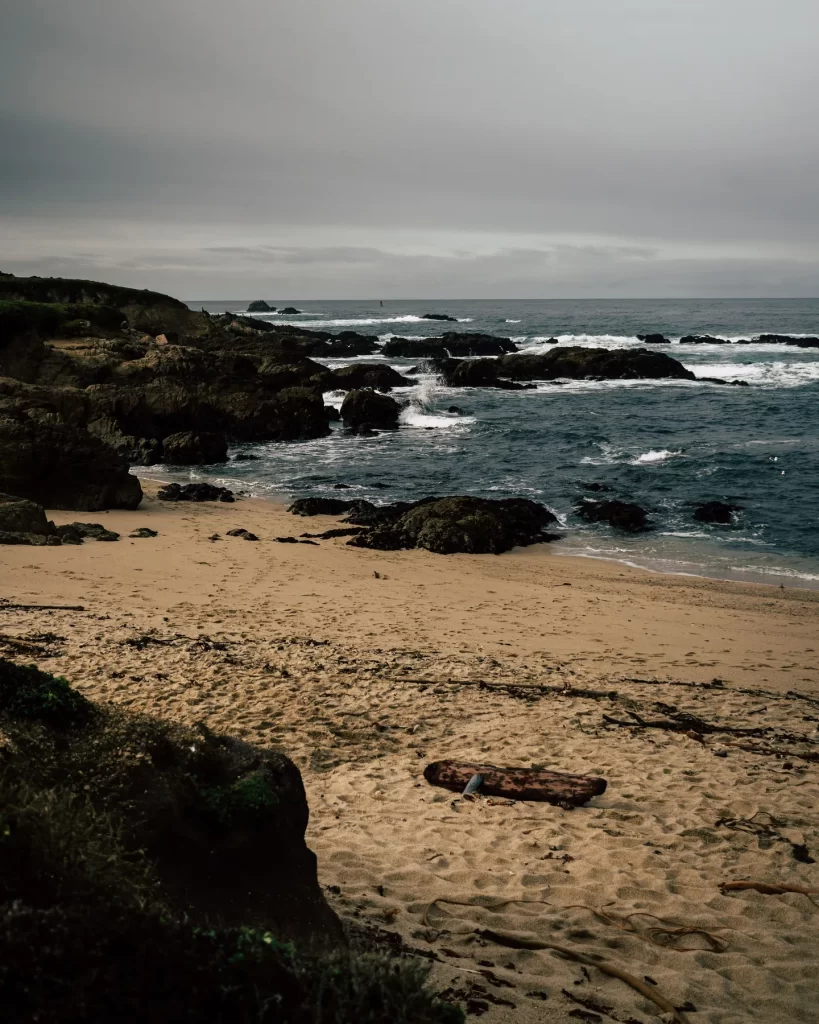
(766, 833)
(685, 723)
(243, 533)
(215, 536)
(349, 531)
(194, 492)
(767, 888)
(6, 605)
(144, 531)
(473, 785)
(559, 788)
(523, 941)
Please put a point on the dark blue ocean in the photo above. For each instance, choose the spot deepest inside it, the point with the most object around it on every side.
(663, 444)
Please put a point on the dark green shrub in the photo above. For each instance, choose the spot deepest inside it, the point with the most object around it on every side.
(26, 692)
(242, 802)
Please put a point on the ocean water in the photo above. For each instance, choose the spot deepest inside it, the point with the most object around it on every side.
(663, 444)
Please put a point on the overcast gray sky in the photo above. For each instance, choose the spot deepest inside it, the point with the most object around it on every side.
(413, 148)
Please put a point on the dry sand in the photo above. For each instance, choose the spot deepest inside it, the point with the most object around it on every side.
(352, 662)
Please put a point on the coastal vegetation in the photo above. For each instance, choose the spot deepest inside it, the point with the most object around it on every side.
(152, 871)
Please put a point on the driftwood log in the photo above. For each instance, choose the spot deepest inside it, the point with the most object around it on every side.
(517, 783)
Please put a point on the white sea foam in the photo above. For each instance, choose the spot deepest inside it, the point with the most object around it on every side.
(512, 321)
(655, 455)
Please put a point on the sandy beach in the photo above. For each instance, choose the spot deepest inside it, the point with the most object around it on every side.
(364, 666)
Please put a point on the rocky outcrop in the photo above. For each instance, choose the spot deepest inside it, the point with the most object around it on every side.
(573, 362)
(367, 408)
(290, 311)
(459, 524)
(190, 448)
(25, 522)
(223, 822)
(719, 512)
(440, 316)
(449, 344)
(47, 458)
(620, 514)
(577, 363)
(260, 306)
(475, 373)
(321, 506)
(194, 492)
(380, 376)
(654, 339)
(787, 339)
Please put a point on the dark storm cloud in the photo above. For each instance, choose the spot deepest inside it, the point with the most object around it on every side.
(681, 129)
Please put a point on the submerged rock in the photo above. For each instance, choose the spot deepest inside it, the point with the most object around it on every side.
(194, 448)
(654, 339)
(366, 407)
(194, 492)
(716, 512)
(440, 316)
(621, 514)
(786, 339)
(458, 524)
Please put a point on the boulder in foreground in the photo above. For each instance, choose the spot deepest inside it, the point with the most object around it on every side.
(25, 522)
(367, 408)
(61, 466)
(461, 524)
(151, 871)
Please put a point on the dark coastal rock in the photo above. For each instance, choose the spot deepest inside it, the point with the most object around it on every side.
(260, 306)
(786, 339)
(143, 532)
(459, 524)
(475, 373)
(449, 344)
(194, 492)
(320, 506)
(595, 486)
(654, 339)
(87, 531)
(716, 512)
(190, 448)
(621, 514)
(368, 407)
(221, 822)
(331, 414)
(25, 522)
(440, 316)
(243, 533)
(577, 363)
(703, 339)
(367, 375)
(290, 311)
(57, 465)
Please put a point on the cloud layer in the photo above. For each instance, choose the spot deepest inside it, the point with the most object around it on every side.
(374, 147)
